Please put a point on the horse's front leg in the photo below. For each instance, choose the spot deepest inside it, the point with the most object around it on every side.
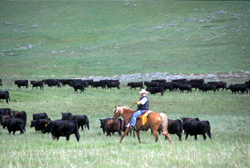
(125, 133)
(138, 136)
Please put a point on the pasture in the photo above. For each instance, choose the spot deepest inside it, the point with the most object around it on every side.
(83, 39)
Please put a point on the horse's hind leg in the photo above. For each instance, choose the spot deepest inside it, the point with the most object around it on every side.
(167, 136)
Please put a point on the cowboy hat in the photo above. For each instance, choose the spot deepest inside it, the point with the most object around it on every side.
(143, 91)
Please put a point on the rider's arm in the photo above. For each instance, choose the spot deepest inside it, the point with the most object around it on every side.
(143, 100)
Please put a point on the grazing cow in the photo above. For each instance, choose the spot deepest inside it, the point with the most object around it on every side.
(52, 82)
(77, 86)
(113, 125)
(67, 116)
(37, 84)
(151, 84)
(135, 85)
(238, 88)
(38, 124)
(99, 84)
(4, 117)
(20, 114)
(175, 127)
(197, 128)
(14, 124)
(219, 85)
(5, 95)
(205, 87)
(187, 87)
(81, 120)
(154, 90)
(60, 128)
(1, 83)
(111, 84)
(20, 83)
(40, 116)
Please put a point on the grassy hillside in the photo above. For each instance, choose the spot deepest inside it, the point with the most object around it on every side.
(109, 38)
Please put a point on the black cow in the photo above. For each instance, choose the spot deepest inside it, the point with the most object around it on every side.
(65, 81)
(175, 127)
(60, 128)
(97, 84)
(187, 87)
(1, 83)
(20, 114)
(174, 84)
(179, 80)
(38, 124)
(111, 84)
(81, 120)
(151, 84)
(67, 116)
(197, 128)
(135, 85)
(185, 119)
(52, 82)
(14, 124)
(238, 88)
(20, 83)
(37, 84)
(200, 81)
(40, 116)
(166, 86)
(113, 125)
(154, 90)
(3, 118)
(206, 87)
(5, 111)
(5, 95)
(219, 85)
(79, 86)
(160, 81)
(89, 82)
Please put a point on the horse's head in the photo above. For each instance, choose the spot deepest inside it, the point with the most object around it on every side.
(117, 112)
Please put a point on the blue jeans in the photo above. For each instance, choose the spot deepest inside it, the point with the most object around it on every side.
(135, 115)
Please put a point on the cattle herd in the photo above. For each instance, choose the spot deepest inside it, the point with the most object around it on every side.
(70, 124)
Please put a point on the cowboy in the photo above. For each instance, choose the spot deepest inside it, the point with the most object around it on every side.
(142, 107)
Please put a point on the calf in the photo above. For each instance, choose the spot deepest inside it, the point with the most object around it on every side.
(113, 125)
(81, 120)
(151, 84)
(99, 84)
(38, 124)
(60, 128)
(20, 114)
(40, 116)
(20, 83)
(205, 87)
(5, 95)
(14, 124)
(166, 86)
(103, 123)
(197, 128)
(219, 85)
(113, 84)
(5, 111)
(160, 81)
(175, 127)
(3, 118)
(135, 85)
(67, 116)
(37, 84)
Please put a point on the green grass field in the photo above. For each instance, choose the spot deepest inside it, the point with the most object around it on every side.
(79, 39)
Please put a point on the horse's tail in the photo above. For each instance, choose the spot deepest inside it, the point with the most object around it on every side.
(164, 124)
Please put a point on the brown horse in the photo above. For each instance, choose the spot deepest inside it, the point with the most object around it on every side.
(155, 122)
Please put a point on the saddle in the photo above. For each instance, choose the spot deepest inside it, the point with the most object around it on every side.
(144, 116)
